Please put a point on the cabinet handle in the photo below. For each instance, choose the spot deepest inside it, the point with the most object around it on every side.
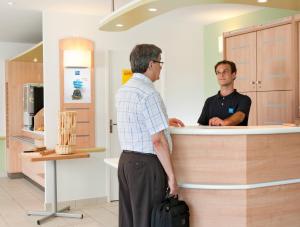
(258, 82)
(252, 82)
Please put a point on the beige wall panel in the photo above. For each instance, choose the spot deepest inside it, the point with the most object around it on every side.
(241, 49)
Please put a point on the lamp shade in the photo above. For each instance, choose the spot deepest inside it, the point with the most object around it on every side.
(77, 58)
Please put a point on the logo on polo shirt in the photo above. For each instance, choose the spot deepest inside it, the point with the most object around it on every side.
(230, 110)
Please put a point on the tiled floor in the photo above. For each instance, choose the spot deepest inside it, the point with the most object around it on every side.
(18, 196)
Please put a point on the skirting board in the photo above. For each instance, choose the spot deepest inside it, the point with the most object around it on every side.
(77, 203)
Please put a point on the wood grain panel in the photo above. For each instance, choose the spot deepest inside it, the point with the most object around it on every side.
(17, 74)
(274, 57)
(298, 69)
(241, 49)
(216, 208)
(34, 170)
(275, 107)
(253, 110)
(273, 157)
(209, 159)
(274, 206)
(277, 206)
(82, 128)
(14, 164)
(86, 111)
(83, 141)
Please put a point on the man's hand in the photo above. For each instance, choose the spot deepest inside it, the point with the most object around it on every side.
(174, 190)
(215, 121)
(175, 122)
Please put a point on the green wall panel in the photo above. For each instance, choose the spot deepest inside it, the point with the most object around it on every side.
(213, 31)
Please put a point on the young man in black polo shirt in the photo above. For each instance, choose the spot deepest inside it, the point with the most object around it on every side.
(228, 107)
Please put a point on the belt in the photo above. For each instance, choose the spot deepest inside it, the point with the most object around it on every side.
(141, 153)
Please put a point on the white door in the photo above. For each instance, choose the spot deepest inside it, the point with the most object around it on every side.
(118, 60)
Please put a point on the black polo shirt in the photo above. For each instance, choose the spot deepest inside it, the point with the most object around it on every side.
(224, 106)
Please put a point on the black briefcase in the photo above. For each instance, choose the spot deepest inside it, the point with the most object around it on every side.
(171, 212)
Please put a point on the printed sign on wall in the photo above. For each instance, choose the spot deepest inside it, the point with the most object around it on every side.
(126, 75)
(77, 85)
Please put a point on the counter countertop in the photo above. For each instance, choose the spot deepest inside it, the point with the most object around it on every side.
(235, 130)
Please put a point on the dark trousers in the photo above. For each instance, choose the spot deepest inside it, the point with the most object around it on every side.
(142, 185)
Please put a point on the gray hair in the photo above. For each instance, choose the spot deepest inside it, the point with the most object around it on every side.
(141, 55)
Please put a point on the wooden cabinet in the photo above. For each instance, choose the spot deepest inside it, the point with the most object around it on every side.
(274, 53)
(298, 72)
(241, 49)
(274, 107)
(264, 56)
(253, 112)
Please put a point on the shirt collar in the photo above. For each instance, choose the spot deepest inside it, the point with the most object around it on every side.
(142, 77)
(227, 96)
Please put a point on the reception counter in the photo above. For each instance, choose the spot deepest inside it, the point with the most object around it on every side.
(239, 176)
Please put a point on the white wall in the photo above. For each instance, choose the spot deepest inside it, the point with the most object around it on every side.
(7, 51)
(181, 43)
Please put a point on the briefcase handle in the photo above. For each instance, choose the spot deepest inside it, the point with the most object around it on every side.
(170, 196)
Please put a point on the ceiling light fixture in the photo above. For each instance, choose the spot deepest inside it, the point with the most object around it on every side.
(35, 60)
(152, 9)
(10, 3)
(262, 1)
(119, 25)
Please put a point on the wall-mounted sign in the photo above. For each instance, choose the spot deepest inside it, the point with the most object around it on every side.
(77, 85)
(126, 75)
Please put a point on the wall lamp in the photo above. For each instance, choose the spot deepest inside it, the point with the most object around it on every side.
(77, 58)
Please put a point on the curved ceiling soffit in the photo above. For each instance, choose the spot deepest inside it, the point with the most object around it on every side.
(137, 11)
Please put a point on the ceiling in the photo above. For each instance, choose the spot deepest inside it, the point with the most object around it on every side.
(22, 22)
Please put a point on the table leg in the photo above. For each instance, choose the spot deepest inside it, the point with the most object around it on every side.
(55, 212)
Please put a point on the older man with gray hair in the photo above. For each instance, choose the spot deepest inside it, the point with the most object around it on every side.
(145, 168)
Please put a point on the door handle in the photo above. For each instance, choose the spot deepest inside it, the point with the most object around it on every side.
(111, 124)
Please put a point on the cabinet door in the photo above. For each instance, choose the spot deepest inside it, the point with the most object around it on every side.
(274, 107)
(241, 49)
(253, 110)
(299, 70)
(274, 69)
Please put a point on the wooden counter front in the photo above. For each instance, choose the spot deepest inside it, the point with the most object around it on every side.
(239, 180)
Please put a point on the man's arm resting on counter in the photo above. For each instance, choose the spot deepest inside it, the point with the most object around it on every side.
(233, 120)
(175, 122)
(161, 147)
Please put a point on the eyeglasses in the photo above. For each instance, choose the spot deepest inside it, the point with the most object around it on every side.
(160, 62)
(223, 73)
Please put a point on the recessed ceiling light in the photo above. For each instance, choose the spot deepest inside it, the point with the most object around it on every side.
(119, 25)
(262, 1)
(10, 3)
(152, 9)
(35, 60)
